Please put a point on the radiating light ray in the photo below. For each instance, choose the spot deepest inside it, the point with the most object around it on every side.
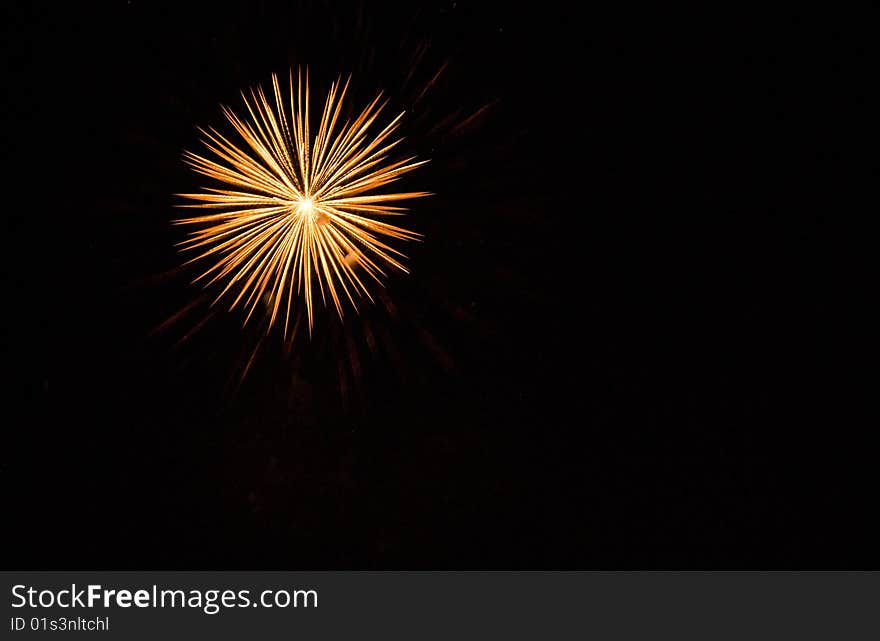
(296, 218)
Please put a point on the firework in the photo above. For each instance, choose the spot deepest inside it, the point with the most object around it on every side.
(297, 216)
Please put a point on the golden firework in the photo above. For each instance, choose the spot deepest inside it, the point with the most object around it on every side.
(301, 208)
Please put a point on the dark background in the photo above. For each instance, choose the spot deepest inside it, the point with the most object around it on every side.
(617, 349)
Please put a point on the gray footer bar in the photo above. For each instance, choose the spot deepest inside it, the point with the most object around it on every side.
(419, 605)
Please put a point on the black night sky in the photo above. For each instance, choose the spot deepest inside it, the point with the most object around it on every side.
(612, 352)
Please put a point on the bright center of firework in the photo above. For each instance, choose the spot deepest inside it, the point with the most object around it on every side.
(308, 211)
(306, 207)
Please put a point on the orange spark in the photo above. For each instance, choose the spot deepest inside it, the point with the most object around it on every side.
(302, 208)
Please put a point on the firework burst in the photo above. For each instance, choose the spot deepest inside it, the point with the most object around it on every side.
(297, 216)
